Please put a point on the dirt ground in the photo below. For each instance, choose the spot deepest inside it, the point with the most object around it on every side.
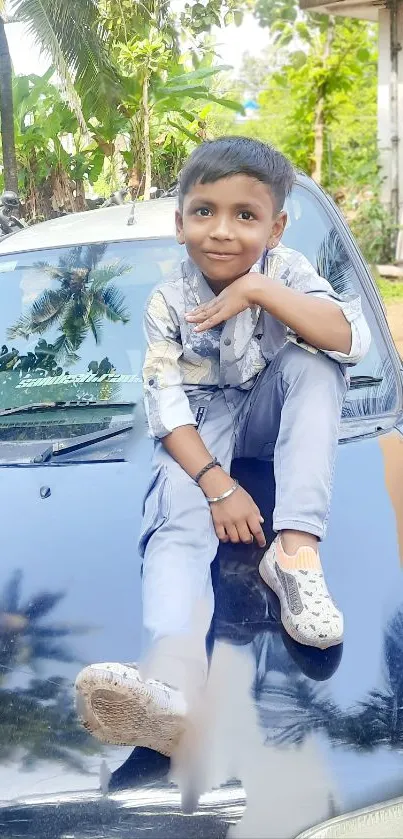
(395, 318)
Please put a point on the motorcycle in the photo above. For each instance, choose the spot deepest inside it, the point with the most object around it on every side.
(9, 214)
(171, 192)
(115, 200)
(121, 196)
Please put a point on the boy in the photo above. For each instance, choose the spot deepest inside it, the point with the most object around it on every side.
(246, 351)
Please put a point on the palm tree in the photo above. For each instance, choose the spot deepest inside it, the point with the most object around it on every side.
(86, 296)
(72, 35)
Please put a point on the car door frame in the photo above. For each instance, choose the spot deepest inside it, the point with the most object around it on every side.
(374, 424)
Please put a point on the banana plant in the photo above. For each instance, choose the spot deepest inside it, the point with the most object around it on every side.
(163, 91)
(72, 35)
(163, 96)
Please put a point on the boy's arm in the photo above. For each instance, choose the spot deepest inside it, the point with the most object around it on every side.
(306, 304)
(169, 415)
(340, 329)
(186, 446)
(237, 519)
(319, 322)
(165, 400)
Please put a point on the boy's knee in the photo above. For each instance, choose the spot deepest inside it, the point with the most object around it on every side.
(297, 362)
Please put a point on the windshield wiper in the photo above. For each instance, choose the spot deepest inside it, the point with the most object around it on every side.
(62, 448)
(56, 406)
(364, 381)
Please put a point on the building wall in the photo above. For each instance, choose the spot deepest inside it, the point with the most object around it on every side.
(390, 113)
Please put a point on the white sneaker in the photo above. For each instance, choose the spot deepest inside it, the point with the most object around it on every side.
(308, 613)
(118, 707)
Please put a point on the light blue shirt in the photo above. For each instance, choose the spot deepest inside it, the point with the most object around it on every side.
(181, 364)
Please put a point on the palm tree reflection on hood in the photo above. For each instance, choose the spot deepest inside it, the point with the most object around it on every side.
(86, 297)
(290, 688)
(37, 721)
(292, 706)
(379, 719)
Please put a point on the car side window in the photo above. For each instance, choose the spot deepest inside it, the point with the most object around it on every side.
(311, 231)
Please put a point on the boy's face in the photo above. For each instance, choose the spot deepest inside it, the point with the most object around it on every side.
(227, 225)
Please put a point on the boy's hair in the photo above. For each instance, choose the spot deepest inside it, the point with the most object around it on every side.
(229, 156)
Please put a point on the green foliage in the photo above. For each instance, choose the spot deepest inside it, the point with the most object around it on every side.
(123, 19)
(163, 92)
(75, 38)
(159, 102)
(124, 87)
(316, 86)
(52, 154)
(390, 290)
(199, 18)
(347, 85)
(372, 226)
(286, 83)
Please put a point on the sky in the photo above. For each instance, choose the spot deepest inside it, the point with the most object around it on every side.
(231, 44)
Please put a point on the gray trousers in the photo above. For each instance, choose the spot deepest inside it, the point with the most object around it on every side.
(291, 414)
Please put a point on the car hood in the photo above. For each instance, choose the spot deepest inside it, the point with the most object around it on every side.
(287, 723)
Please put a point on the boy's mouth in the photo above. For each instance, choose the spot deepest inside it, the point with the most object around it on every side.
(218, 255)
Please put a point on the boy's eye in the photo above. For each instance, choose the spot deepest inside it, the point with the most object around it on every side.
(246, 215)
(203, 211)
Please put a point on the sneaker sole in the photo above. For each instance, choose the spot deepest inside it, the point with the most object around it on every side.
(136, 718)
(272, 582)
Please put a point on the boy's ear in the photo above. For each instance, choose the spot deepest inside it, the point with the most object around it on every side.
(179, 227)
(277, 230)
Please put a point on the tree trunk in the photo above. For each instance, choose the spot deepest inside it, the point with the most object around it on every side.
(319, 141)
(80, 203)
(63, 199)
(7, 113)
(320, 121)
(146, 139)
(134, 181)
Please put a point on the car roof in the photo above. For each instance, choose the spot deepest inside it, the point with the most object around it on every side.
(152, 219)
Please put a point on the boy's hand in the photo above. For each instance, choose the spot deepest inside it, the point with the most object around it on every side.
(238, 519)
(237, 297)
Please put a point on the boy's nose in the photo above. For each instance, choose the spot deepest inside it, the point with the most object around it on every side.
(222, 230)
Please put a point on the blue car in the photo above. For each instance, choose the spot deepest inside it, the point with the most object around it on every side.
(297, 742)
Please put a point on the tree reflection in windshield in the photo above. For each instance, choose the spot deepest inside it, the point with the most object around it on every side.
(85, 298)
(63, 334)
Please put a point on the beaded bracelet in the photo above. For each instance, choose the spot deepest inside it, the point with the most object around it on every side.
(207, 468)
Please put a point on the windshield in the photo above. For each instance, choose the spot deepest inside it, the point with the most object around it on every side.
(71, 329)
